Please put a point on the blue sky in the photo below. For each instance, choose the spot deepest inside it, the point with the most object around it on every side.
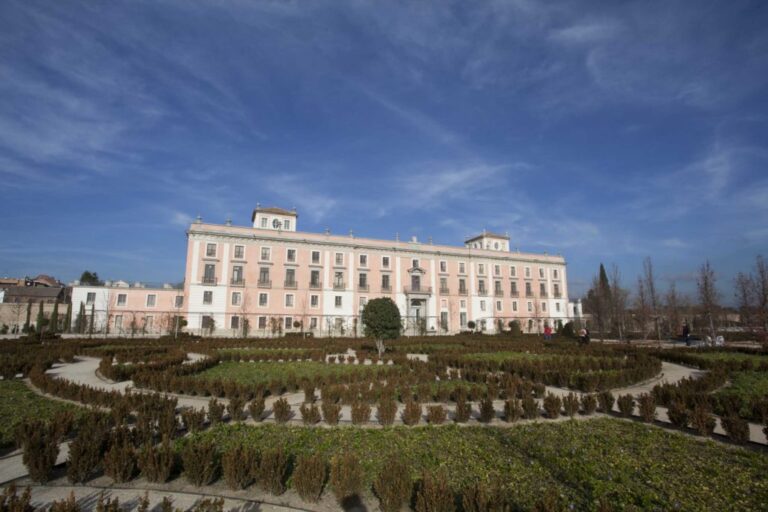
(605, 131)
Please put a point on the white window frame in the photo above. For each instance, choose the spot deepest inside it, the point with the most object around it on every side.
(288, 323)
(313, 322)
(242, 256)
(239, 298)
(265, 222)
(292, 300)
(337, 301)
(543, 307)
(266, 303)
(462, 268)
(481, 269)
(295, 255)
(498, 305)
(336, 259)
(542, 273)
(261, 322)
(124, 301)
(512, 271)
(360, 260)
(527, 272)
(154, 300)
(269, 253)
(443, 266)
(208, 246)
(317, 301)
(319, 258)
(514, 306)
(88, 300)
(530, 307)
(497, 270)
(287, 224)
(482, 305)
(233, 317)
(207, 293)
(386, 262)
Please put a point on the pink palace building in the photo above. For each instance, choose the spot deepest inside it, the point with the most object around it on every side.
(269, 279)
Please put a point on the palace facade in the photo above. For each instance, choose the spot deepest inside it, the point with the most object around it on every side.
(270, 278)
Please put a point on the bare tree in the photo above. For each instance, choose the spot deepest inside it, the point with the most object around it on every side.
(761, 293)
(653, 298)
(744, 290)
(618, 302)
(673, 307)
(708, 296)
(642, 308)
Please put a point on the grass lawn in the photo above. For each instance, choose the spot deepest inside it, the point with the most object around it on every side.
(263, 372)
(731, 356)
(747, 386)
(17, 402)
(499, 357)
(623, 463)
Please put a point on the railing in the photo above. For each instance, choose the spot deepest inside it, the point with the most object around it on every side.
(338, 286)
(543, 294)
(529, 294)
(463, 291)
(290, 285)
(237, 281)
(209, 279)
(363, 287)
(514, 293)
(386, 288)
(315, 285)
(418, 289)
(263, 283)
(482, 291)
(498, 293)
(444, 291)
(558, 295)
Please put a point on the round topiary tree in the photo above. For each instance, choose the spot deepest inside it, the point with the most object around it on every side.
(514, 328)
(471, 325)
(381, 319)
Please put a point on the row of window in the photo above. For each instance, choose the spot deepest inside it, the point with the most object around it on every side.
(287, 322)
(122, 299)
(209, 277)
(290, 256)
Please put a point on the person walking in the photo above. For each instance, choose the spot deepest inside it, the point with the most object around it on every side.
(547, 333)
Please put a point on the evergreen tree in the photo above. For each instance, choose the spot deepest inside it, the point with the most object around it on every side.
(80, 320)
(29, 314)
(40, 317)
(55, 317)
(90, 321)
(598, 301)
(68, 318)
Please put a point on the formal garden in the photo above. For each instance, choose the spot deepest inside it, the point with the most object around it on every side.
(466, 422)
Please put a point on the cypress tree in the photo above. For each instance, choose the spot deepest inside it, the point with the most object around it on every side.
(90, 322)
(55, 317)
(29, 314)
(68, 318)
(80, 320)
(40, 317)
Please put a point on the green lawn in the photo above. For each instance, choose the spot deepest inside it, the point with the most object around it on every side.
(623, 463)
(263, 372)
(731, 356)
(499, 357)
(17, 402)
